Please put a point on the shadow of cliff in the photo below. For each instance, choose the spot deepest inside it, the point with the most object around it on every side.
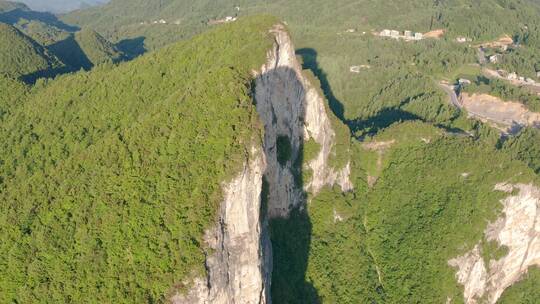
(290, 236)
(309, 61)
(132, 47)
(362, 127)
(70, 52)
(32, 78)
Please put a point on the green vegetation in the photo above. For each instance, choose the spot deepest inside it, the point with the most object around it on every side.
(21, 56)
(109, 141)
(12, 95)
(525, 147)
(110, 178)
(85, 49)
(6, 6)
(492, 251)
(43, 33)
(424, 211)
(96, 48)
(524, 292)
(340, 266)
(391, 243)
(523, 61)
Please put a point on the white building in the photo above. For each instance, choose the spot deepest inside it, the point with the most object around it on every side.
(408, 34)
(512, 76)
(418, 36)
(495, 58)
(385, 33)
(394, 33)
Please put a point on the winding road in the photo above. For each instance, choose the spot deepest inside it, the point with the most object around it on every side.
(449, 89)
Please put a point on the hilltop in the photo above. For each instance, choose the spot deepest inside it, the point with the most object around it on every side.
(21, 56)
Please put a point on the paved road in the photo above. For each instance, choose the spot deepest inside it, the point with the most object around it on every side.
(448, 89)
(481, 56)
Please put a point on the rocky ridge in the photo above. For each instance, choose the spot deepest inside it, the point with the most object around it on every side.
(239, 261)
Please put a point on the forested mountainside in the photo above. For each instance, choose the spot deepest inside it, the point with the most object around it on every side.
(339, 152)
(85, 49)
(64, 48)
(6, 6)
(21, 55)
(61, 6)
(110, 178)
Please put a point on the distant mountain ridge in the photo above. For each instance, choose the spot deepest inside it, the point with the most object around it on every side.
(61, 6)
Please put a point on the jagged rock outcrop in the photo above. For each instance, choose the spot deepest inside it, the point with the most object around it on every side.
(239, 260)
(519, 231)
(238, 263)
(291, 106)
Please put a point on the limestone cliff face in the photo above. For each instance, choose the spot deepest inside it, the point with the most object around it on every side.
(291, 106)
(239, 261)
(519, 231)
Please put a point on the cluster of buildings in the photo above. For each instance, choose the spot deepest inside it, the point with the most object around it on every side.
(407, 35)
(224, 20)
(160, 21)
(463, 39)
(515, 77)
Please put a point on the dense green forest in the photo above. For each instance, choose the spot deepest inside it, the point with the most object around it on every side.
(21, 55)
(64, 48)
(321, 37)
(85, 49)
(92, 160)
(110, 178)
(525, 291)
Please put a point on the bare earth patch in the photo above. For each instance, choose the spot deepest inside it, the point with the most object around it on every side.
(493, 109)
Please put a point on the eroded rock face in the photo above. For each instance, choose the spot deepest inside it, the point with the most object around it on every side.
(289, 105)
(519, 231)
(239, 261)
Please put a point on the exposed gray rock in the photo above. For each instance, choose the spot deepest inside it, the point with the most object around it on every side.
(519, 231)
(239, 261)
(291, 106)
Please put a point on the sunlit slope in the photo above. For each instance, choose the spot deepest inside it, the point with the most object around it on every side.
(109, 178)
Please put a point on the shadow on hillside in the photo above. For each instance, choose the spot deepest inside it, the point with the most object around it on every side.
(276, 92)
(69, 52)
(14, 16)
(49, 73)
(309, 59)
(361, 127)
(132, 47)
